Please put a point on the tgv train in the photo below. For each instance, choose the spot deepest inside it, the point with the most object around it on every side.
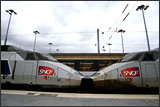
(135, 70)
(19, 66)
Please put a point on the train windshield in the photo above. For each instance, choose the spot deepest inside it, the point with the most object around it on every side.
(49, 57)
(78, 73)
(128, 57)
(95, 74)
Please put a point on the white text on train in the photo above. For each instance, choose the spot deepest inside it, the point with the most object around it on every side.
(46, 72)
(131, 72)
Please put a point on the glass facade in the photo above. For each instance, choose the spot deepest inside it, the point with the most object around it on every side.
(87, 65)
(69, 63)
(103, 64)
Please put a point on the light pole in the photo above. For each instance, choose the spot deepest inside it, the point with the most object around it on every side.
(141, 8)
(96, 47)
(10, 11)
(122, 38)
(50, 47)
(57, 50)
(35, 38)
(98, 40)
(109, 47)
(104, 50)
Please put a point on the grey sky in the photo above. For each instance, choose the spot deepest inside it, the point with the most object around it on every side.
(71, 26)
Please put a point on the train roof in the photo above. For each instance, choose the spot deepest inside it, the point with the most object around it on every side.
(156, 49)
(136, 56)
(27, 54)
(10, 48)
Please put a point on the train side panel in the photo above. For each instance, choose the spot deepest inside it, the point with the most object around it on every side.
(130, 75)
(26, 72)
(33, 72)
(20, 71)
(150, 73)
(20, 66)
(75, 79)
(56, 74)
(46, 73)
(99, 81)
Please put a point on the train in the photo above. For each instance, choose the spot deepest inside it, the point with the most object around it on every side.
(137, 70)
(19, 66)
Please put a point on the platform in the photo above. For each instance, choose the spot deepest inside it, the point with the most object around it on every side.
(37, 98)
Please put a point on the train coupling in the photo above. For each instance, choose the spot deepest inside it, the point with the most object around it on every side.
(87, 84)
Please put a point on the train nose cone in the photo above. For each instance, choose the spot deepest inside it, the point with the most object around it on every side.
(87, 84)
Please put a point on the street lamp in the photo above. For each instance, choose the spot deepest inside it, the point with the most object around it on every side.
(122, 38)
(35, 38)
(10, 11)
(109, 47)
(50, 47)
(104, 50)
(57, 50)
(141, 8)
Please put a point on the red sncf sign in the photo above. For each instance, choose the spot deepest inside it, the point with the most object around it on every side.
(131, 72)
(43, 70)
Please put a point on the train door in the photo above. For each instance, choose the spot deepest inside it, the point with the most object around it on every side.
(30, 67)
(149, 72)
(28, 70)
(63, 77)
(8, 66)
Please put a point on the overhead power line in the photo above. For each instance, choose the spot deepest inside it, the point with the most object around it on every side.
(119, 16)
(122, 21)
(105, 12)
(93, 44)
(77, 32)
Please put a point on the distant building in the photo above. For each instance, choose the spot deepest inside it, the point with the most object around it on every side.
(88, 63)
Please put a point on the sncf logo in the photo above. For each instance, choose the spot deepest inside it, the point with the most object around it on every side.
(131, 72)
(43, 70)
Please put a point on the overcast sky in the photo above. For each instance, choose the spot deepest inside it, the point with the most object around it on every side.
(71, 26)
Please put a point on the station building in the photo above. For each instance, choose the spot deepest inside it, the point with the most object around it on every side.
(88, 63)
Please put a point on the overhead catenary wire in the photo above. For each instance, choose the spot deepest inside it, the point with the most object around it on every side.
(105, 12)
(119, 16)
(122, 21)
(91, 44)
(128, 13)
(76, 32)
(117, 21)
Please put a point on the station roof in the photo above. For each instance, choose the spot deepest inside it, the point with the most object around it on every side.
(88, 56)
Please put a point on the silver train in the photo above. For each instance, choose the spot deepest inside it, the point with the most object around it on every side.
(19, 66)
(135, 70)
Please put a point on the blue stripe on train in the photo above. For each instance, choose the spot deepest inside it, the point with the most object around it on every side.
(7, 69)
(5, 66)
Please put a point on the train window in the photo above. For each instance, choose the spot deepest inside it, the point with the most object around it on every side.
(127, 57)
(156, 55)
(40, 57)
(30, 56)
(136, 58)
(50, 58)
(148, 57)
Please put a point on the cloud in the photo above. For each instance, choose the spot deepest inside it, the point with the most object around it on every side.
(72, 25)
